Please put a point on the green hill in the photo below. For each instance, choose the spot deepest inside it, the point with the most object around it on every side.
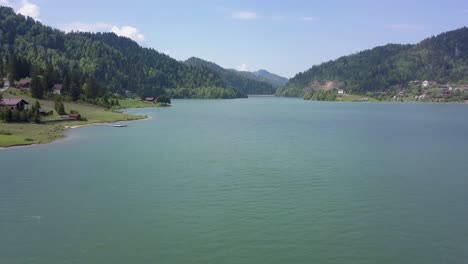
(274, 79)
(443, 58)
(243, 82)
(116, 63)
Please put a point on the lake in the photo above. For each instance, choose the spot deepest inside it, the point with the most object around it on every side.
(258, 180)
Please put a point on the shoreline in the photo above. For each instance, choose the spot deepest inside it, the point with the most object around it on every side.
(67, 128)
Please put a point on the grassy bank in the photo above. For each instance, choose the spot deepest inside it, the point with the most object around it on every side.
(354, 98)
(134, 103)
(18, 134)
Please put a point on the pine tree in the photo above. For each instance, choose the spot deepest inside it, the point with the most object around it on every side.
(75, 90)
(49, 77)
(37, 82)
(37, 87)
(58, 105)
(12, 69)
(92, 88)
(37, 106)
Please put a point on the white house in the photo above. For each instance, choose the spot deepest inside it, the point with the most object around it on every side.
(57, 89)
(340, 92)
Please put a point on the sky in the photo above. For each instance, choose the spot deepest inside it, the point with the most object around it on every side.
(283, 37)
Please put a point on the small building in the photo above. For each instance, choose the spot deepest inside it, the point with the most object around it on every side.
(43, 112)
(341, 92)
(420, 97)
(57, 89)
(75, 116)
(426, 83)
(149, 99)
(25, 84)
(12, 104)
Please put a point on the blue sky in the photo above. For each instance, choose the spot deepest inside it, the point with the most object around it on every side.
(284, 37)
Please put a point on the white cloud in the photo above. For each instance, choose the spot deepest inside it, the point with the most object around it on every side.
(124, 31)
(24, 8)
(5, 3)
(308, 18)
(245, 15)
(129, 32)
(243, 67)
(410, 27)
(29, 9)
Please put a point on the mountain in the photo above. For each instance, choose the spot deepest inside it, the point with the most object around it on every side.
(243, 82)
(274, 79)
(116, 63)
(443, 58)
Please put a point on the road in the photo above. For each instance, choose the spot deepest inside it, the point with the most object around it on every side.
(6, 85)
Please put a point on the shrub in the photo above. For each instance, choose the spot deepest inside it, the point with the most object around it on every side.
(6, 133)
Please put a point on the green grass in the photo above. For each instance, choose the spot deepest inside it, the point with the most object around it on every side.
(135, 103)
(354, 98)
(12, 140)
(45, 133)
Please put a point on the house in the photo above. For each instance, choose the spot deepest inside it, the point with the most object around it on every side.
(57, 89)
(149, 99)
(340, 92)
(25, 84)
(12, 104)
(75, 116)
(420, 97)
(426, 84)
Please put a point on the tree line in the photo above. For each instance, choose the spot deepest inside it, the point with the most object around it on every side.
(443, 58)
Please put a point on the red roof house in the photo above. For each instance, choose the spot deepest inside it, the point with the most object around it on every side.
(25, 83)
(13, 103)
(149, 99)
(75, 116)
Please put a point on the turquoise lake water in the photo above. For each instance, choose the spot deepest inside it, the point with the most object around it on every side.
(258, 180)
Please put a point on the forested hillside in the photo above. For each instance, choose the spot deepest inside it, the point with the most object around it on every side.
(244, 82)
(112, 63)
(443, 59)
(266, 76)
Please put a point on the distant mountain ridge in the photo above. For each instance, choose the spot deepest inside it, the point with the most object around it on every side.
(264, 76)
(244, 82)
(276, 80)
(443, 58)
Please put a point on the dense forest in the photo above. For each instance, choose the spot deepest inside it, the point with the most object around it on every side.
(91, 65)
(243, 82)
(443, 58)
